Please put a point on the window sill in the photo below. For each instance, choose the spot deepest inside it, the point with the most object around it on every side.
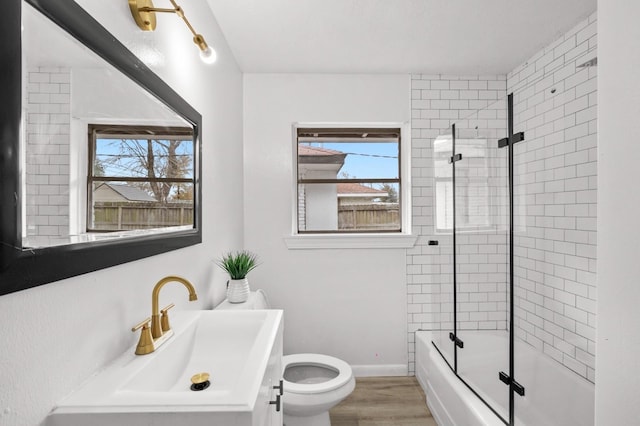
(340, 241)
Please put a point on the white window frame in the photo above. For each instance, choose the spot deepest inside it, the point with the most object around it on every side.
(403, 239)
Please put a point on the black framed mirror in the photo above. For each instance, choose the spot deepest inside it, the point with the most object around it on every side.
(76, 140)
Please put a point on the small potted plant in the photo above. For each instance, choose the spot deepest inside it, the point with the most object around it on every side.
(238, 264)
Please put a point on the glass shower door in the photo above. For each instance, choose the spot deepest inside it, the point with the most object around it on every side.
(443, 218)
(481, 229)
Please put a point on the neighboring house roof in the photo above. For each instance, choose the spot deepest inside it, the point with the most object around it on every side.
(315, 150)
(314, 154)
(129, 193)
(358, 190)
(317, 155)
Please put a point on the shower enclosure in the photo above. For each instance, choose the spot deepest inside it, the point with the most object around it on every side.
(514, 195)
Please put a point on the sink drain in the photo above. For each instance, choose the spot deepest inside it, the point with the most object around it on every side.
(200, 382)
(200, 386)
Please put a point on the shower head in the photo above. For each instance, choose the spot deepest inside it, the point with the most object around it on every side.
(590, 63)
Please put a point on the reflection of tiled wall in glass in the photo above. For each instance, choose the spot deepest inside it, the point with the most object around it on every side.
(302, 208)
(555, 104)
(47, 151)
(437, 102)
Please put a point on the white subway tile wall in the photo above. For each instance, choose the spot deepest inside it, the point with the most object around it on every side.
(555, 203)
(555, 192)
(437, 102)
(47, 151)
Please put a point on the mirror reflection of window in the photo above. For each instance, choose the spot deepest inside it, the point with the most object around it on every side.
(141, 178)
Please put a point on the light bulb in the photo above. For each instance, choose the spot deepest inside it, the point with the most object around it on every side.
(208, 55)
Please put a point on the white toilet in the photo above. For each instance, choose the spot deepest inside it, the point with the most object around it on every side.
(313, 383)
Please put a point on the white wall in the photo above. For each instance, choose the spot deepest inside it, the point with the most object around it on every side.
(618, 335)
(349, 303)
(55, 336)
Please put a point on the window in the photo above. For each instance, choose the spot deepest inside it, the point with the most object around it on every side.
(348, 180)
(140, 177)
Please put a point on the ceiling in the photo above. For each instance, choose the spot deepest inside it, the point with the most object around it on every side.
(392, 36)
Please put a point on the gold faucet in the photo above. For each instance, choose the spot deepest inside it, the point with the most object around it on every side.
(156, 328)
(160, 331)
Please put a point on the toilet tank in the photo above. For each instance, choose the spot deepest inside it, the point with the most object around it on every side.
(257, 300)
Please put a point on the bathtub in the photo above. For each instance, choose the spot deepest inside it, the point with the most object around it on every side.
(554, 395)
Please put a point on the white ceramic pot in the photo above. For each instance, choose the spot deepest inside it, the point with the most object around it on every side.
(238, 290)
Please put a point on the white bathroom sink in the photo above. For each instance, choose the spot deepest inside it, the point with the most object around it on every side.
(232, 346)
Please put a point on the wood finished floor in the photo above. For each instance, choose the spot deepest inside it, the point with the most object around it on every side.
(383, 401)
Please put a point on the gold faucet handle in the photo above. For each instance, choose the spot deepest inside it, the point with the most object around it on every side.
(142, 324)
(164, 321)
(145, 344)
(166, 308)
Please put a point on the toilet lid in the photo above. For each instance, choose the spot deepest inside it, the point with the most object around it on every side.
(343, 369)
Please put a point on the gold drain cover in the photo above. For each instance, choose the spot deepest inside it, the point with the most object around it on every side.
(199, 378)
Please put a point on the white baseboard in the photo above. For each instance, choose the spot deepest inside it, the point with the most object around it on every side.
(380, 370)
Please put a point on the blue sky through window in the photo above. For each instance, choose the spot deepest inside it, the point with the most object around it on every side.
(366, 159)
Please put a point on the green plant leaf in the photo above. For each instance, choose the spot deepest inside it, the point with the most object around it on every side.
(238, 264)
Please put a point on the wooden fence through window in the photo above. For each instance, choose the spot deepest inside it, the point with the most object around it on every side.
(373, 217)
(123, 216)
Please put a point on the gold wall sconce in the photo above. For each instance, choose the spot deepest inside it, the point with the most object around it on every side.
(144, 13)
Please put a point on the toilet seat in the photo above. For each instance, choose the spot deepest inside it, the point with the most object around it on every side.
(342, 368)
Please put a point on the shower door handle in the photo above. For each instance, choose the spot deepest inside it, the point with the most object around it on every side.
(455, 158)
(517, 387)
(459, 343)
(280, 388)
(276, 403)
